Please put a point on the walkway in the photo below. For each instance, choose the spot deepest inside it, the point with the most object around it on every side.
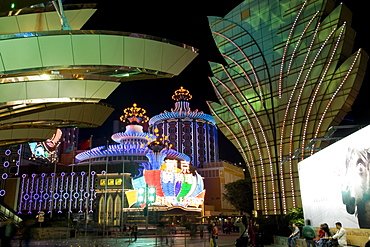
(142, 241)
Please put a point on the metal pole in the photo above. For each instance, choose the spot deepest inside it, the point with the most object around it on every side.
(53, 188)
(88, 188)
(105, 193)
(73, 164)
(147, 208)
(123, 187)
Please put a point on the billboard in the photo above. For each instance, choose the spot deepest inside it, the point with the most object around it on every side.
(175, 187)
(335, 182)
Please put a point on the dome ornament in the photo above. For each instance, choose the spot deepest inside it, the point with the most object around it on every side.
(182, 94)
(134, 115)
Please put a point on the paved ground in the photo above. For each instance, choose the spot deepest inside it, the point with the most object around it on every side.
(224, 240)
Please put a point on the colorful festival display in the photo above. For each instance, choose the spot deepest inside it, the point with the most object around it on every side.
(175, 187)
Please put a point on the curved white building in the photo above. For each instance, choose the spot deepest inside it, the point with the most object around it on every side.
(193, 133)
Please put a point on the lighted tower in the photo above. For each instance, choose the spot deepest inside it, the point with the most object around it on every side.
(291, 73)
(190, 132)
(131, 144)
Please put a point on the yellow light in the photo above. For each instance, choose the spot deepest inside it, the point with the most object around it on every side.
(45, 77)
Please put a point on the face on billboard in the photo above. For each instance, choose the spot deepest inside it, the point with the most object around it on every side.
(335, 182)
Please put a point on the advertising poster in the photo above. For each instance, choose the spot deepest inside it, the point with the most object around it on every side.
(335, 183)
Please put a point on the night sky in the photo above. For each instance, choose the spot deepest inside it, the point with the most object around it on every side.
(187, 22)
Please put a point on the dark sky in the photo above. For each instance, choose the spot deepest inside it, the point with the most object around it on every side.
(360, 22)
(184, 22)
(187, 22)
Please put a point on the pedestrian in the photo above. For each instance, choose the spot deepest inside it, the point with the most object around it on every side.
(7, 232)
(129, 233)
(209, 228)
(27, 233)
(293, 236)
(201, 230)
(214, 234)
(309, 234)
(224, 227)
(340, 235)
(134, 231)
(161, 232)
(243, 230)
(251, 233)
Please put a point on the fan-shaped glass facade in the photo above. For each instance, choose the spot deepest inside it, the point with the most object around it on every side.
(291, 73)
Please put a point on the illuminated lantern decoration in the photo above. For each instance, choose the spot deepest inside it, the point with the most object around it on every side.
(141, 195)
(152, 194)
(134, 115)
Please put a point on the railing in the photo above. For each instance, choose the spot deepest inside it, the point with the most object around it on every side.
(48, 8)
(95, 32)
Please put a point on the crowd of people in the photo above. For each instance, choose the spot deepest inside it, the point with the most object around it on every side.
(324, 238)
(242, 225)
(131, 231)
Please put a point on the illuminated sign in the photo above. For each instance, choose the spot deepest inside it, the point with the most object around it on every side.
(174, 186)
(46, 150)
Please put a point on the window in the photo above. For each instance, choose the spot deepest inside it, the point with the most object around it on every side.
(118, 181)
(245, 14)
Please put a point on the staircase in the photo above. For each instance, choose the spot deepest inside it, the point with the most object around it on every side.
(6, 213)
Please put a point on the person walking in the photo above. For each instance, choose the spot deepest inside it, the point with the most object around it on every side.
(201, 230)
(214, 234)
(161, 232)
(309, 234)
(251, 233)
(27, 233)
(134, 231)
(243, 230)
(293, 236)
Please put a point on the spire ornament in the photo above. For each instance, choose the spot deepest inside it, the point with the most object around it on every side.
(182, 94)
(134, 115)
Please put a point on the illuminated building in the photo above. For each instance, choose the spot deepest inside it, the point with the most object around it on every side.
(130, 145)
(103, 174)
(290, 74)
(150, 162)
(216, 175)
(54, 75)
(193, 133)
